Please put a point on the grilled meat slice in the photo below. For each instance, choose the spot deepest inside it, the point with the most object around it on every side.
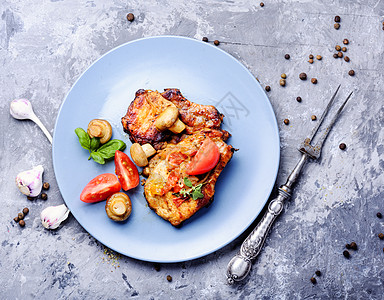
(139, 121)
(167, 171)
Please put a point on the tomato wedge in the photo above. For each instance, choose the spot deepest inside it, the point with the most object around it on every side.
(100, 188)
(126, 171)
(205, 159)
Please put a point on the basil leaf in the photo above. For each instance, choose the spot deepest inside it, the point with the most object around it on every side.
(187, 182)
(108, 150)
(95, 143)
(196, 194)
(98, 158)
(84, 138)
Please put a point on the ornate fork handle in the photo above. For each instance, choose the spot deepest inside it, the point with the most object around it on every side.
(240, 264)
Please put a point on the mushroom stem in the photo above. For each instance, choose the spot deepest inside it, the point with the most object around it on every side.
(118, 207)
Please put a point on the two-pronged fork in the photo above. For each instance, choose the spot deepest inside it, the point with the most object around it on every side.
(240, 265)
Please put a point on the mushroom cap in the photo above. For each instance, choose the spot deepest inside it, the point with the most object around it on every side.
(138, 155)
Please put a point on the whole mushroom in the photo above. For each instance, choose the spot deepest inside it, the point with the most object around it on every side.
(141, 153)
(169, 119)
(118, 207)
(101, 129)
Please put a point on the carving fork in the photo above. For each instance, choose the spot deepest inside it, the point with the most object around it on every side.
(240, 265)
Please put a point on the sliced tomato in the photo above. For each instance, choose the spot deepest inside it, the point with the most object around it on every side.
(177, 158)
(126, 171)
(205, 159)
(100, 188)
(172, 180)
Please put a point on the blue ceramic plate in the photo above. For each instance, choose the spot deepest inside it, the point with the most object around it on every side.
(204, 74)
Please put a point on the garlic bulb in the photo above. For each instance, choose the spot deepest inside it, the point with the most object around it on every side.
(30, 182)
(51, 217)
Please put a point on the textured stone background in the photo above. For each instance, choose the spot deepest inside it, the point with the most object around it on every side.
(46, 45)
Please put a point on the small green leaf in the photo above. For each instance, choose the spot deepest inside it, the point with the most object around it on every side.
(197, 194)
(95, 143)
(98, 158)
(187, 182)
(108, 150)
(84, 139)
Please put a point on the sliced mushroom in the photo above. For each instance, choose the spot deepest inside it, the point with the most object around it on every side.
(168, 119)
(101, 129)
(140, 153)
(118, 207)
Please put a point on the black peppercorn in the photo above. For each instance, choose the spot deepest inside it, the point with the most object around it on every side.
(310, 61)
(313, 280)
(157, 267)
(348, 246)
(351, 73)
(46, 186)
(216, 42)
(335, 55)
(313, 118)
(346, 254)
(283, 75)
(262, 4)
(381, 236)
(337, 19)
(342, 146)
(282, 82)
(25, 210)
(310, 56)
(336, 26)
(340, 54)
(319, 57)
(286, 121)
(169, 278)
(22, 223)
(344, 49)
(205, 39)
(31, 198)
(44, 196)
(318, 273)
(287, 56)
(298, 99)
(130, 17)
(303, 76)
(16, 219)
(337, 47)
(353, 246)
(346, 58)
(268, 88)
(345, 42)
(379, 215)
(20, 216)
(314, 80)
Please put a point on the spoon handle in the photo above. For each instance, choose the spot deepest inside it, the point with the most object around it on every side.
(35, 119)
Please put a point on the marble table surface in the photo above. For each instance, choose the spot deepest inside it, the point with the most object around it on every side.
(46, 45)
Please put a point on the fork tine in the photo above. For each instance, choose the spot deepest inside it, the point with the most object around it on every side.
(314, 131)
(319, 144)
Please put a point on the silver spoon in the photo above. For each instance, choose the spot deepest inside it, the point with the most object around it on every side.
(21, 109)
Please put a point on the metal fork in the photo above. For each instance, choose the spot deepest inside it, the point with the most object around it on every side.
(240, 265)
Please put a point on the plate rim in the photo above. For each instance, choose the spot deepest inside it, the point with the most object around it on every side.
(275, 128)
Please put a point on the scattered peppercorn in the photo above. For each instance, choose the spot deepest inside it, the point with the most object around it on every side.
(342, 146)
(262, 4)
(344, 49)
(336, 26)
(313, 280)
(346, 58)
(345, 42)
(298, 99)
(216, 42)
(379, 215)
(169, 278)
(205, 39)
(20, 216)
(313, 118)
(335, 55)
(310, 61)
(16, 219)
(303, 76)
(282, 82)
(337, 19)
(340, 54)
(283, 75)
(31, 198)
(319, 57)
(157, 267)
(354, 246)
(337, 47)
(314, 80)
(310, 56)
(268, 88)
(346, 254)
(130, 17)
(351, 73)
(318, 273)
(286, 121)
(44, 196)
(46, 186)
(348, 246)
(25, 210)
(381, 236)
(287, 56)
(21, 223)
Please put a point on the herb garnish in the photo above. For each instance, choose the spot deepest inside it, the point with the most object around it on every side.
(194, 192)
(97, 152)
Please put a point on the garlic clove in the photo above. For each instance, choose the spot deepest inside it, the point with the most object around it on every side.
(21, 109)
(30, 182)
(52, 216)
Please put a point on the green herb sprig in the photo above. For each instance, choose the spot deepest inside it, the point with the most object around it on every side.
(195, 192)
(98, 153)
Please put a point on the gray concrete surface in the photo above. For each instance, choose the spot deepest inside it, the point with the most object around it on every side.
(46, 45)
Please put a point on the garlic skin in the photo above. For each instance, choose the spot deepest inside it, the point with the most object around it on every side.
(52, 216)
(30, 182)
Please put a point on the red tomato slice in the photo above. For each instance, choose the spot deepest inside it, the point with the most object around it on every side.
(126, 171)
(100, 188)
(205, 159)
